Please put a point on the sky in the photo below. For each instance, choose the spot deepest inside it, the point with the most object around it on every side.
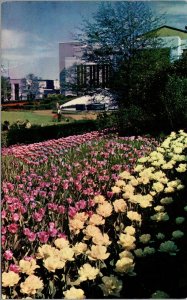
(31, 31)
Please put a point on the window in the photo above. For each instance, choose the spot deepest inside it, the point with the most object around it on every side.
(16, 91)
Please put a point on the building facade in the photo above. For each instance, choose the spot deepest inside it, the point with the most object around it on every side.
(76, 74)
(173, 38)
(18, 89)
(23, 89)
(47, 87)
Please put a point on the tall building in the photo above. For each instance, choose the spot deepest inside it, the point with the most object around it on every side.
(70, 54)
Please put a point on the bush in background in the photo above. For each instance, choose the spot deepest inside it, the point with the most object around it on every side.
(107, 120)
(20, 134)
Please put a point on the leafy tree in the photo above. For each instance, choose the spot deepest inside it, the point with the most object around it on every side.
(179, 67)
(32, 85)
(5, 89)
(122, 34)
(117, 35)
(174, 101)
(167, 96)
(117, 31)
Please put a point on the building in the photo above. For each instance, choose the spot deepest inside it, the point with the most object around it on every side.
(18, 89)
(47, 87)
(172, 38)
(77, 74)
(23, 89)
(70, 54)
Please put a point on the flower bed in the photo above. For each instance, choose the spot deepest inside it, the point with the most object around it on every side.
(72, 227)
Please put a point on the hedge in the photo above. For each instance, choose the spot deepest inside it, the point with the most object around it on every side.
(30, 107)
(38, 133)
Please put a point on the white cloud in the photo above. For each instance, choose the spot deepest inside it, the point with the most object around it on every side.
(19, 47)
(28, 53)
(11, 39)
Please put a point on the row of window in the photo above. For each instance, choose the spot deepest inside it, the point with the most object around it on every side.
(93, 75)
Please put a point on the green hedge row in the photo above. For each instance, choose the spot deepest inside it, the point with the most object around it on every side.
(31, 107)
(38, 133)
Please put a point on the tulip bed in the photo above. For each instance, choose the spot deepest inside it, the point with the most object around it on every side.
(95, 216)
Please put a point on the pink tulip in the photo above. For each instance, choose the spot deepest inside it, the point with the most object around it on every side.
(37, 216)
(72, 211)
(51, 225)
(10, 186)
(14, 268)
(91, 203)
(3, 214)
(26, 231)
(33, 205)
(23, 209)
(13, 228)
(110, 194)
(31, 236)
(3, 230)
(53, 232)
(28, 258)
(8, 255)
(69, 200)
(15, 217)
(65, 186)
(3, 240)
(62, 235)
(82, 204)
(43, 236)
(61, 209)
(52, 206)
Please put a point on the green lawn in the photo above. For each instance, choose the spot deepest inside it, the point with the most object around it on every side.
(33, 117)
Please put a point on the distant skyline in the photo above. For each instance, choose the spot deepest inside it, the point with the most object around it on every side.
(31, 31)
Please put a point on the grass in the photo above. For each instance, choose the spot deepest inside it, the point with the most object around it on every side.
(32, 117)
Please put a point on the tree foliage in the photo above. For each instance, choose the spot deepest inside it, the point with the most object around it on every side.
(5, 89)
(151, 89)
(121, 34)
(118, 31)
(32, 85)
(167, 96)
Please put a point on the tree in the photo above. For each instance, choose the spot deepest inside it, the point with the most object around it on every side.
(31, 82)
(5, 89)
(122, 34)
(175, 101)
(117, 35)
(167, 96)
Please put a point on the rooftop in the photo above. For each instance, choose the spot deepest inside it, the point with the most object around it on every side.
(169, 31)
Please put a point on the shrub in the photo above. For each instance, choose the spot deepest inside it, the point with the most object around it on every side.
(5, 125)
(135, 121)
(4, 140)
(107, 120)
(174, 102)
(39, 133)
(40, 106)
